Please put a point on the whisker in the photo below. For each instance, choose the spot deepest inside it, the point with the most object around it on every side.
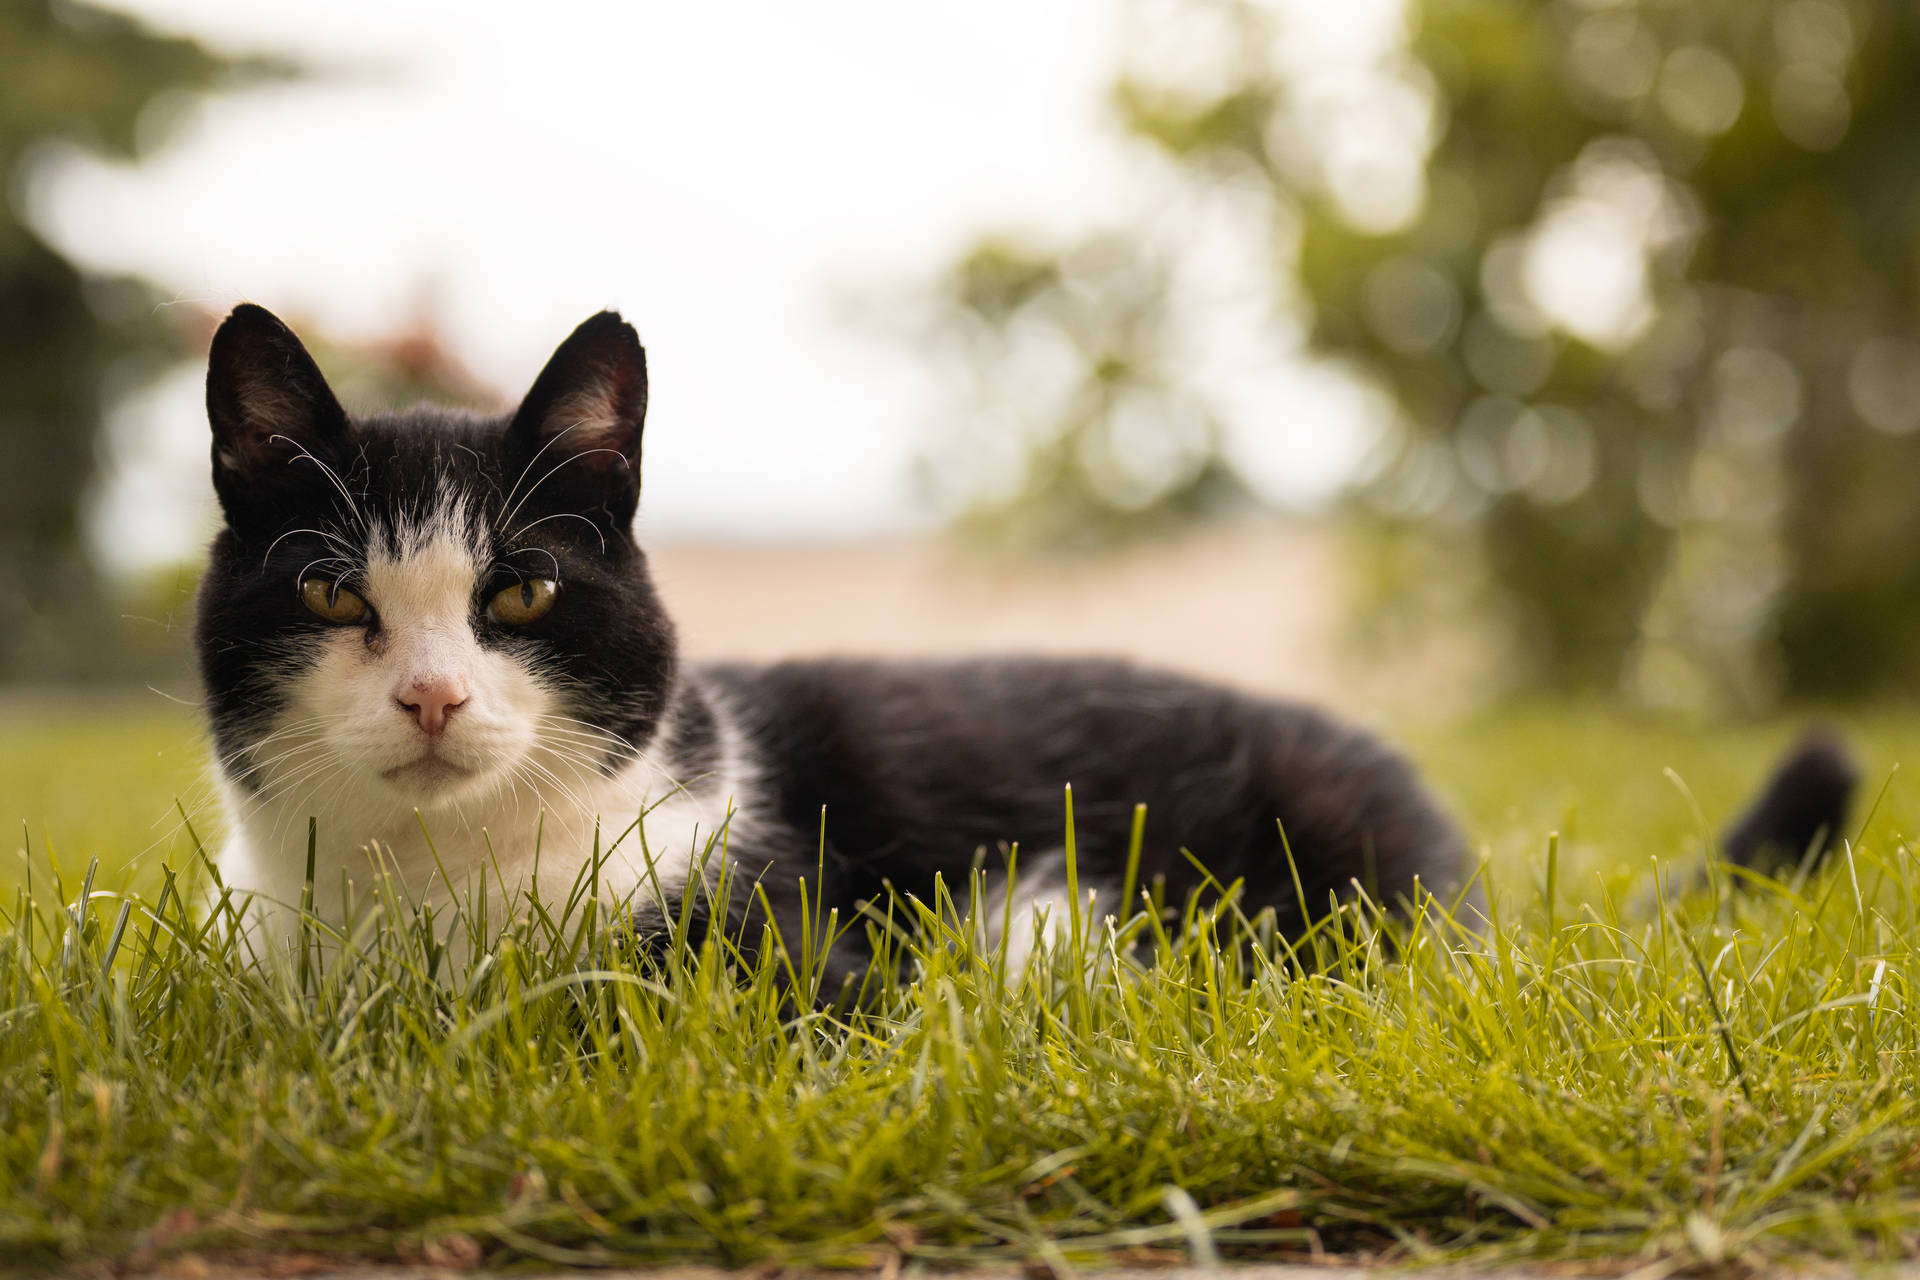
(331, 539)
(519, 533)
(526, 470)
(548, 554)
(572, 796)
(296, 726)
(322, 560)
(328, 472)
(555, 469)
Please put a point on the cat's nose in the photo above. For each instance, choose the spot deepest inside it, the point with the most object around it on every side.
(432, 699)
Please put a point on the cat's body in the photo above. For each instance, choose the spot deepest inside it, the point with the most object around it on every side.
(909, 770)
(432, 636)
(916, 767)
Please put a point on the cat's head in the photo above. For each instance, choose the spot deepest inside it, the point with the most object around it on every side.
(422, 608)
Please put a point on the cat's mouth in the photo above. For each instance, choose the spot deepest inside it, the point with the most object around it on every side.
(429, 770)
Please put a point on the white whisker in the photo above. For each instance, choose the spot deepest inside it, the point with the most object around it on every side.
(558, 466)
(353, 509)
(550, 441)
(560, 515)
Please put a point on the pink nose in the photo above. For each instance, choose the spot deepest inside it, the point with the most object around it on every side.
(432, 699)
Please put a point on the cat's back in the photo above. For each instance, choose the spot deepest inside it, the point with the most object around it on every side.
(1076, 717)
(948, 756)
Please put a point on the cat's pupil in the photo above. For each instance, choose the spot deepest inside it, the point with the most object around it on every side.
(526, 595)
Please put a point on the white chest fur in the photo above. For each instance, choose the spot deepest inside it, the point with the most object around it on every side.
(521, 838)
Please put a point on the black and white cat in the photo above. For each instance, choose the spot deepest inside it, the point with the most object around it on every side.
(437, 624)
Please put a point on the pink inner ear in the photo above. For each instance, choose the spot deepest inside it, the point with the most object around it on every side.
(589, 418)
(267, 408)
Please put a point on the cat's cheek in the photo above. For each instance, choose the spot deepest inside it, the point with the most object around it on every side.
(502, 721)
(314, 737)
(347, 686)
(325, 683)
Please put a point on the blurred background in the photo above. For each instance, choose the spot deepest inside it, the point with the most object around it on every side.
(1418, 355)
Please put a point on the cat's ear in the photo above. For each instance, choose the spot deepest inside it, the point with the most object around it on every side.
(275, 421)
(579, 428)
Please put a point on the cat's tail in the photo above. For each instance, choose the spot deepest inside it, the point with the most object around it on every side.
(1801, 812)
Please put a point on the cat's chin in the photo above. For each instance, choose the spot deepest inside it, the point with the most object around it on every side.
(432, 780)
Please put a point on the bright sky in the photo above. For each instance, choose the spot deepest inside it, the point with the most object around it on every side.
(725, 174)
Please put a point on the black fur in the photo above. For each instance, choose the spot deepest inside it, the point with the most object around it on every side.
(919, 765)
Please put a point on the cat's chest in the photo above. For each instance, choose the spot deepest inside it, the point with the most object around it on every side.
(628, 836)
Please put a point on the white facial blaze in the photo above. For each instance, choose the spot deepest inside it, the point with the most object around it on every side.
(422, 582)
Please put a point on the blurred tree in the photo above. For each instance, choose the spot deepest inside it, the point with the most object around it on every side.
(1102, 438)
(69, 341)
(1642, 278)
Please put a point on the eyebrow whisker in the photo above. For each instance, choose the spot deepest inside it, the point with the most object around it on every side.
(561, 515)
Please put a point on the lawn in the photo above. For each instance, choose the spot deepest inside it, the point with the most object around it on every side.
(1713, 1072)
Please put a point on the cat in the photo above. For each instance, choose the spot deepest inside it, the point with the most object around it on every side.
(432, 634)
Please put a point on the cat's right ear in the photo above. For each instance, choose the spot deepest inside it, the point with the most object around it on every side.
(277, 427)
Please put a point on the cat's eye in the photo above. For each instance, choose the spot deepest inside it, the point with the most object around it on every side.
(329, 600)
(523, 602)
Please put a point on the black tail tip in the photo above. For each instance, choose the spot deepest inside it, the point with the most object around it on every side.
(1801, 812)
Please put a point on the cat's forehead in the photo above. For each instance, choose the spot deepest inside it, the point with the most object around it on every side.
(422, 573)
(422, 460)
(416, 483)
(449, 527)
(411, 481)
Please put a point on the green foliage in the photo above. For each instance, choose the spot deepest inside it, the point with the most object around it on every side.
(99, 778)
(1719, 1075)
(1644, 283)
(1059, 468)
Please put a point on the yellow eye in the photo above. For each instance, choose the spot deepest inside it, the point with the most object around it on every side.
(333, 602)
(523, 602)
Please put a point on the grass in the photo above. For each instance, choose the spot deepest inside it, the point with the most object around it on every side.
(1695, 1075)
(98, 779)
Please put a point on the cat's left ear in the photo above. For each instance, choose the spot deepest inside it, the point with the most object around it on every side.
(579, 428)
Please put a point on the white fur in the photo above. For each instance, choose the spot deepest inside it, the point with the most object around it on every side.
(511, 789)
(1039, 915)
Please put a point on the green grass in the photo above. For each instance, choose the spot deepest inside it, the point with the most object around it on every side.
(99, 779)
(1730, 1076)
